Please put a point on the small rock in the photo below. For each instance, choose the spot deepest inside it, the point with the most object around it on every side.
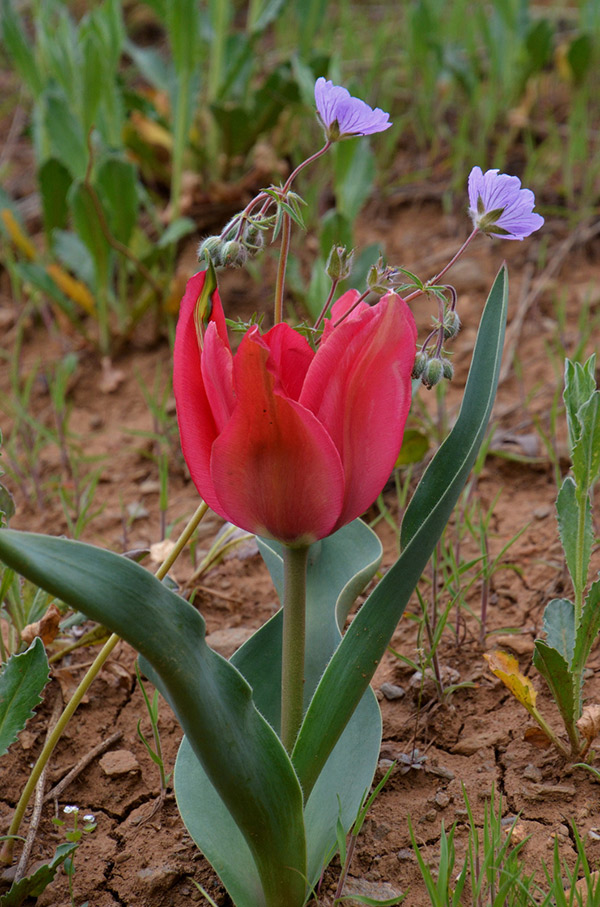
(540, 513)
(441, 799)
(157, 876)
(522, 645)
(391, 691)
(404, 855)
(228, 641)
(119, 762)
(378, 891)
(150, 486)
(532, 773)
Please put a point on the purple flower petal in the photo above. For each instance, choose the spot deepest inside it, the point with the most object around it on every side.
(343, 116)
(499, 207)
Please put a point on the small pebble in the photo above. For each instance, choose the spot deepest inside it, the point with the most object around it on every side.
(441, 799)
(391, 691)
(119, 762)
(532, 773)
(404, 855)
(540, 513)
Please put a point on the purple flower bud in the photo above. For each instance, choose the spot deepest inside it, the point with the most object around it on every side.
(499, 207)
(343, 116)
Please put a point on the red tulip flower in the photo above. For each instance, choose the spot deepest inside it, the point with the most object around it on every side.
(285, 442)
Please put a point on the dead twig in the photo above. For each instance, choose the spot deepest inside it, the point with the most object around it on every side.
(39, 797)
(57, 790)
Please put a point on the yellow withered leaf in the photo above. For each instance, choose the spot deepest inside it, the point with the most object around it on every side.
(19, 238)
(506, 667)
(151, 132)
(73, 288)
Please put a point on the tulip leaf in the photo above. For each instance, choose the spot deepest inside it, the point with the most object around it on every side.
(239, 750)
(339, 567)
(364, 643)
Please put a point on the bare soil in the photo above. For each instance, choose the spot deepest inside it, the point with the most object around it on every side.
(140, 853)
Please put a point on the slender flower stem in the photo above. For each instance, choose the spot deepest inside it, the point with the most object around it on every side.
(352, 307)
(294, 636)
(91, 674)
(323, 311)
(304, 164)
(286, 235)
(452, 261)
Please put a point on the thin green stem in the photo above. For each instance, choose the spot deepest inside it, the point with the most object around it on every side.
(286, 235)
(91, 674)
(323, 312)
(294, 638)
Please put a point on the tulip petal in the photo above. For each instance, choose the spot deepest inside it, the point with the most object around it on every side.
(275, 469)
(359, 388)
(197, 426)
(290, 358)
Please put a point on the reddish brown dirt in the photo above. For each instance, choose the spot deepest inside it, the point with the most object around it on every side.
(138, 857)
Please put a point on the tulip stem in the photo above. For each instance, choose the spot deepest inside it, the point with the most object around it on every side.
(294, 635)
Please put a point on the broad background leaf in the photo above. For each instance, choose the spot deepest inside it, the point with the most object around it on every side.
(21, 684)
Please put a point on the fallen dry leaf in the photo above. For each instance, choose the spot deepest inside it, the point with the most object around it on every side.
(536, 737)
(589, 723)
(506, 667)
(46, 628)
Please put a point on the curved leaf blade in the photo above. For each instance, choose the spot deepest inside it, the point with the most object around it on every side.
(239, 750)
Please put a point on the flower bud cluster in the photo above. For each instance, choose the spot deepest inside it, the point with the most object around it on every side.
(432, 369)
(379, 277)
(236, 244)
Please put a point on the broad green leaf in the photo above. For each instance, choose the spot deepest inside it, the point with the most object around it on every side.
(32, 886)
(21, 682)
(262, 14)
(54, 181)
(74, 255)
(65, 133)
(117, 184)
(19, 48)
(506, 667)
(580, 56)
(239, 750)
(586, 453)
(87, 226)
(559, 627)
(567, 509)
(555, 671)
(356, 658)
(339, 568)
(580, 384)
(588, 628)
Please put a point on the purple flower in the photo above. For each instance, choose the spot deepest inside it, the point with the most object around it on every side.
(343, 116)
(499, 207)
